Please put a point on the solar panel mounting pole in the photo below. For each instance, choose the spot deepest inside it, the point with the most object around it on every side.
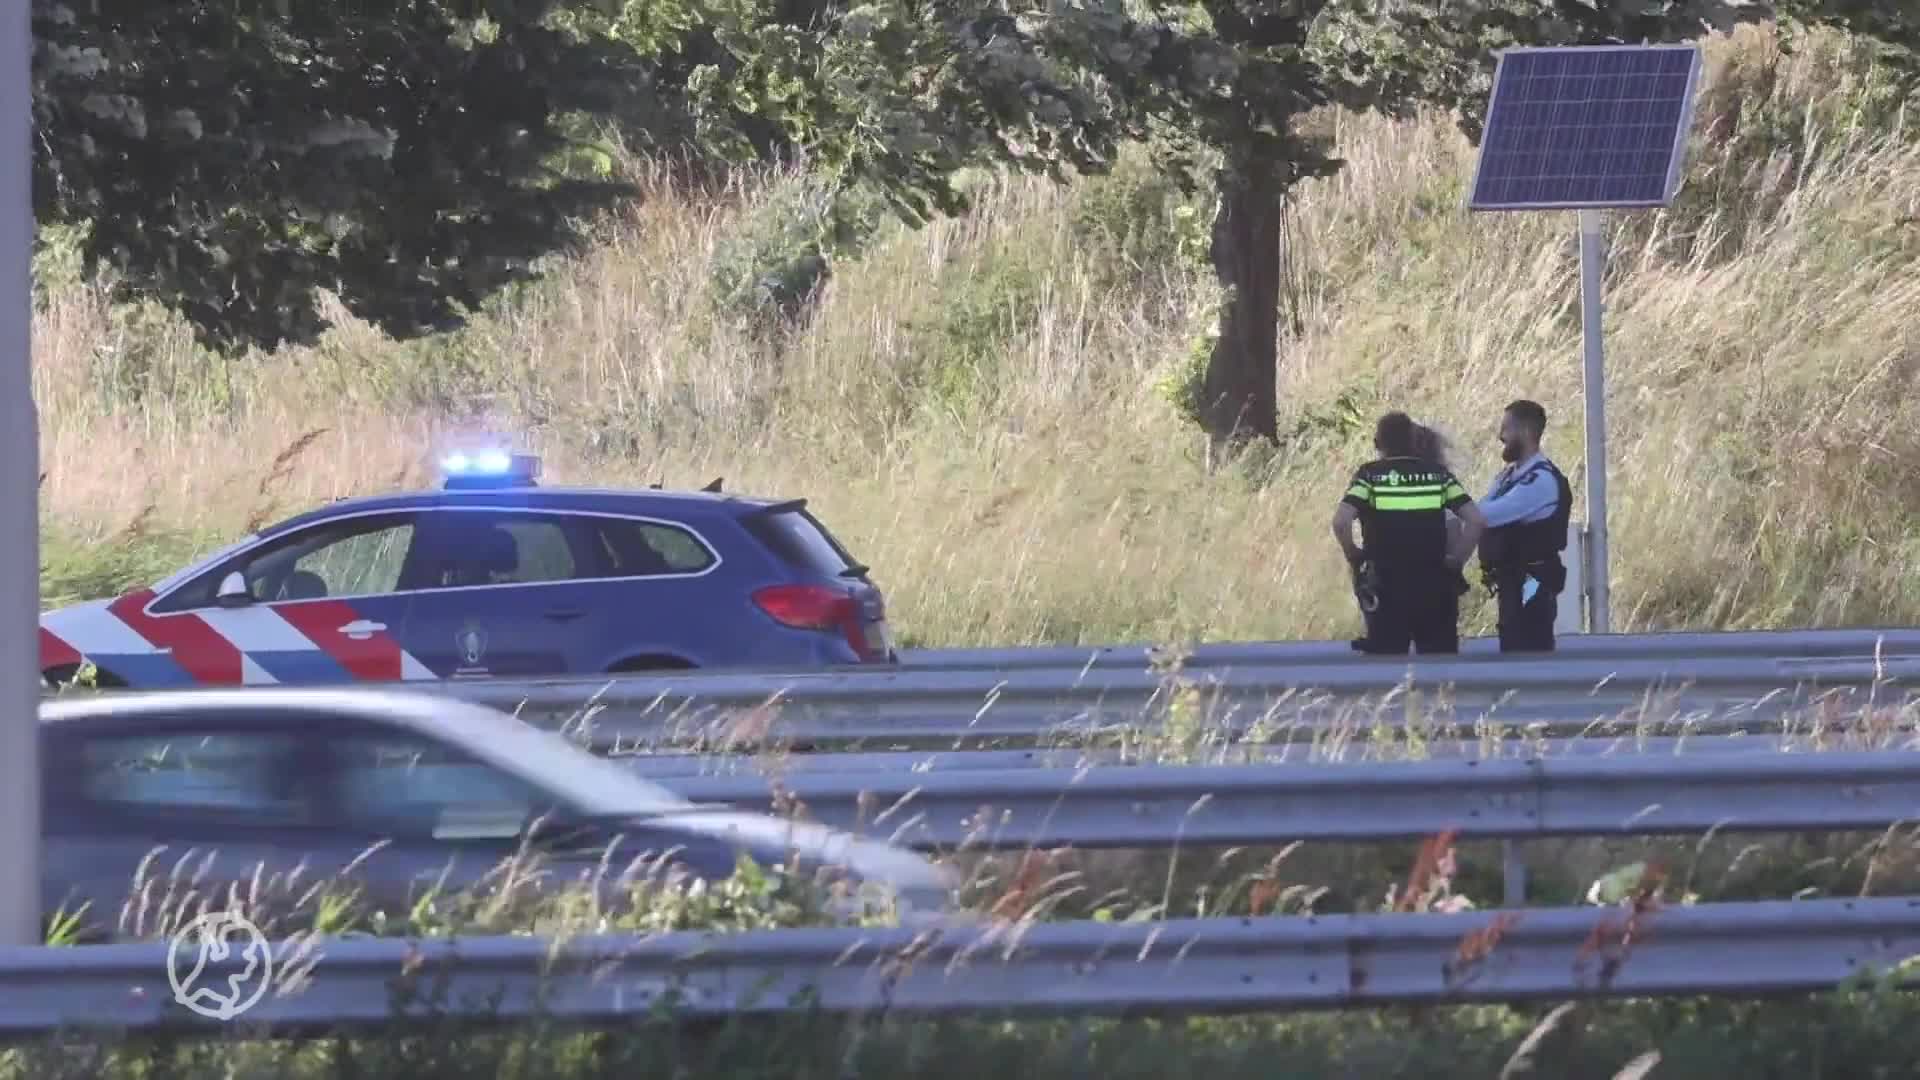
(19, 488)
(1588, 127)
(1592, 261)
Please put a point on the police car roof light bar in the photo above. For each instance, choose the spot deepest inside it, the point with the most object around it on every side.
(1588, 127)
(464, 470)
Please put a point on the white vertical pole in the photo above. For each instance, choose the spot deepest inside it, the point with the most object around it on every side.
(19, 489)
(1591, 258)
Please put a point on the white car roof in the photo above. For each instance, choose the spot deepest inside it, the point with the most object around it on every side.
(544, 758)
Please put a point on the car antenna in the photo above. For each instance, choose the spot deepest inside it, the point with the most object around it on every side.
(714, 484)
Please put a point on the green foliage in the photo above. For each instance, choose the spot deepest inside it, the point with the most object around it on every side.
(1759, 137)
(1863, 1031)
(903, 97)
(1399, 54)
(127, 365)
(898, 97)
(961, 343)
(445, 374)
(751, 898)
(232, 161)
(767, 271)
(1341, 421)
(1139, 222)
(1183, 381)
(57, 260)
(1887, 32)
(417, 159)
(74, 569)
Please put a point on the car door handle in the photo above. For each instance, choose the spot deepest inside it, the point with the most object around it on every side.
(362, 628)
(563, 614)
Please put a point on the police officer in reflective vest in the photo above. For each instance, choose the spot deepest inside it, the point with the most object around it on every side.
(1526, 512)
(1401, 503)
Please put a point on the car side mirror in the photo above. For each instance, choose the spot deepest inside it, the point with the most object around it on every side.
(233, 592)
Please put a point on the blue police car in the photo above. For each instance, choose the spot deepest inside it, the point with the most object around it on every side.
(494, 575)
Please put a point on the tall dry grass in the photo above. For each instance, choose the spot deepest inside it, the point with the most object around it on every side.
(975, 406)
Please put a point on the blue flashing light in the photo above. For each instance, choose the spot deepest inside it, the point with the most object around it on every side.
(489, 469)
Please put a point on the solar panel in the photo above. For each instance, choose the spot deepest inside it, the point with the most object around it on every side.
(1586, 127)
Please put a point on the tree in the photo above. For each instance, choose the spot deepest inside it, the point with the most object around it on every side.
(1301, 54)
(1443, 52)
(416, 158)
(1392, 56)
(902, 94)
(230, 163)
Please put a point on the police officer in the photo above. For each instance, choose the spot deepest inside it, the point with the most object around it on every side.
(1526, 511)
(1401, 503)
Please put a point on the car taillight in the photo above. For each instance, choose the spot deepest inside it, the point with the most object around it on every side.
(815, 607)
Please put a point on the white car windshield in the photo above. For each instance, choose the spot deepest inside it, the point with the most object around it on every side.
(550, 761)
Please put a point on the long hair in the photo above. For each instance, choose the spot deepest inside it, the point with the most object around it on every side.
(1430, 445)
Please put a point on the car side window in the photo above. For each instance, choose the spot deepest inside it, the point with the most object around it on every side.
(359, 562)
(245, 776)
(362, 556)
(473, 548)
(629, 548)
(409, 787)
(542, 546)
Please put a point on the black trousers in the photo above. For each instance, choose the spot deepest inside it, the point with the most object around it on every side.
(1526, 625)
(1417, 609)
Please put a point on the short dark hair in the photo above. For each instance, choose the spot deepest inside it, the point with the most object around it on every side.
(1531, 414)
(1393, 435)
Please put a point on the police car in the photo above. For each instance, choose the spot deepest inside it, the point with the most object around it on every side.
(493, 575)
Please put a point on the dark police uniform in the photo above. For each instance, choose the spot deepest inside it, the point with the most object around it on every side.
(1527, 512)
(1403, 504)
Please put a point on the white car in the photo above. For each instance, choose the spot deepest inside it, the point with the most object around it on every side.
(280, 778)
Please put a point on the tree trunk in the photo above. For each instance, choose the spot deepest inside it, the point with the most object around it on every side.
(1238, 400)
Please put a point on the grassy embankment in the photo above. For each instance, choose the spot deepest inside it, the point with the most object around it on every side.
(978, 408)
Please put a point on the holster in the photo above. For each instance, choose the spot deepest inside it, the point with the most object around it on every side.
(1551, 573)
(1366, 585)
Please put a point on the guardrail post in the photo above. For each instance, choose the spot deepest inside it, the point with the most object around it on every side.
(1513, 872)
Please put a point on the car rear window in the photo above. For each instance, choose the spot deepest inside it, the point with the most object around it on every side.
(802, 542)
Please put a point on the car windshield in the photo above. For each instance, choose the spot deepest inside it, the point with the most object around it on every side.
(549, 760)
(199, 565)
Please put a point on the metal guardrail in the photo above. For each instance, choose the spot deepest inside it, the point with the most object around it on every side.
(1188, 966)
(1025, 696)
(941, 707)
(665, 767)
(1848, 641)
(1162, 806)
